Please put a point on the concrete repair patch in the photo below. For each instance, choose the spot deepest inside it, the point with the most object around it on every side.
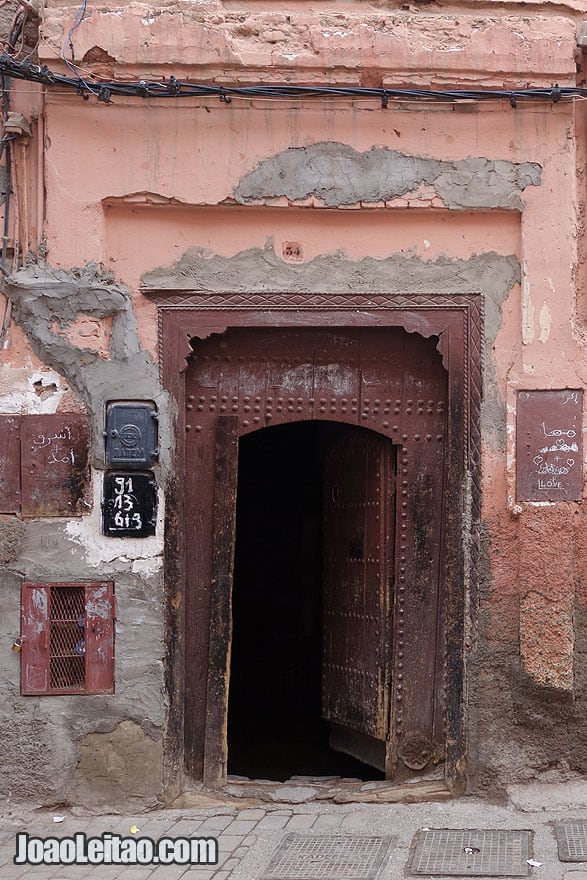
(337, 175)
(327, 857)
(461, 853)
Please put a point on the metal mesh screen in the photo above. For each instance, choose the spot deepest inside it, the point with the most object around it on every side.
(67, 660)
(461, 853)
(571, 838)
(312, 857)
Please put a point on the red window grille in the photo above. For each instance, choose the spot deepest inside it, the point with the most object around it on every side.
(67, 632)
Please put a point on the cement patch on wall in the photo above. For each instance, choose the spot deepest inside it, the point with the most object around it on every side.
(52, 745)
(36, 744)
(42, 736)
(258, 270)
(108, 765)
(337, 174)
(47, 301)
(12, 533)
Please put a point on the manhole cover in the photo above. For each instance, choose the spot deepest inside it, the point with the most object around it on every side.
(471, 853)
(311, 857)
(571, 838)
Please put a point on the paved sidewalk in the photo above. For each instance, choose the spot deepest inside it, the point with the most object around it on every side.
(248, 836)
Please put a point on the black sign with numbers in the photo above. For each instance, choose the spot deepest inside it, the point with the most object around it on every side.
(129, 508)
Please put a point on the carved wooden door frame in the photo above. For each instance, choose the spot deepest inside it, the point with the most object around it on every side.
(457, 323)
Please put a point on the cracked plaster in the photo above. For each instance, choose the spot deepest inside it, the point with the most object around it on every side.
(47, 301)
(115, 728)
(327, 40)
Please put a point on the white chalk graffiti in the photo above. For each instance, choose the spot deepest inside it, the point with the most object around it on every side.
(42, 440)
(543, 467)
(561, 446)
(558, 432)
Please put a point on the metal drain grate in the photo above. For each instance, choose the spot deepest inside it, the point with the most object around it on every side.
(471, 853)
(571, 838)
(310, 857)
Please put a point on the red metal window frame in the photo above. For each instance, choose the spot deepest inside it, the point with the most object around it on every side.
(42, 642)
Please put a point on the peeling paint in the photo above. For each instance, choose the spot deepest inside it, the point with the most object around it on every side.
(39, 600)
(64, 314)
(47, 300)
(338, 175)
(527, 316)
(99, 550)
(147, 568)
(22, 394)
(99, 606)
(545, 321)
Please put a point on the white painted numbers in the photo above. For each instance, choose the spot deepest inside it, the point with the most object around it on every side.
(129, 505)
(125, 504)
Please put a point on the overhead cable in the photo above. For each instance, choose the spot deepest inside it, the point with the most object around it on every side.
(174, 88)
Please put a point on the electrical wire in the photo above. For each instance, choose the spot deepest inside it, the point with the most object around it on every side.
(5, 147)
(16, 32)
(68, 44)
(174, 88)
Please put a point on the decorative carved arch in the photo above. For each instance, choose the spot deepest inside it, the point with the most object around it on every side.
(457, 321)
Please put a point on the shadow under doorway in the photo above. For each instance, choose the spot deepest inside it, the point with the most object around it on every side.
(275, 729)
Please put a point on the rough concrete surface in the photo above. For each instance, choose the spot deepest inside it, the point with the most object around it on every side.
(256, 270)
(47, 741)
(248, 834)
(47, 300)
(520, 727)
(323, 43)
(528, 678)
(12, 532)
(525, 721)
(339, 175)
(36, 745)
(55, 746)
(108, 764)
(28, 737)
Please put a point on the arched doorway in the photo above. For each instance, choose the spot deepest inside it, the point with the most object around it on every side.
(367, 382)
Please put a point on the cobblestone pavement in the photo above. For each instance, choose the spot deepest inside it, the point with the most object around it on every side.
(248, 836)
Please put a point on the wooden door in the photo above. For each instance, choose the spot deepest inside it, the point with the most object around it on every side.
(393, 385)
(359, 501)
(223, 544)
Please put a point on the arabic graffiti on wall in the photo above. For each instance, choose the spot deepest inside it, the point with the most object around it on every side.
(549, 445)
(55, 465)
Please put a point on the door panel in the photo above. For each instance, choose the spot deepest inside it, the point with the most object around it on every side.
(393, 383)
(223, 546)
(359, 492)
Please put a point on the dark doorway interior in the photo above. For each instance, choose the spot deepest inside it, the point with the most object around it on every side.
(274, 726)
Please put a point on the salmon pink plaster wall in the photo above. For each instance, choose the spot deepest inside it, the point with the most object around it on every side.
(202, 195)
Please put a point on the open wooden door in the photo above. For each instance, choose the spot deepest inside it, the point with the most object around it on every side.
(359, 506)
(390, 569)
